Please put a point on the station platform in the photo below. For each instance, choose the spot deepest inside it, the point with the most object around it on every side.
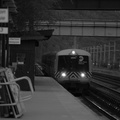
(52, 102)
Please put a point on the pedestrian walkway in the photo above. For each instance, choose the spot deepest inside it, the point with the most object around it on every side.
(52, 102)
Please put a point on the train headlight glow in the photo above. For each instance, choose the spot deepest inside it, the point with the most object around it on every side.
(73, 52)
(63, 74)
(83, 75)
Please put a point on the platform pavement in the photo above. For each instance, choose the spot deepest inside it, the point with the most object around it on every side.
(52, 102)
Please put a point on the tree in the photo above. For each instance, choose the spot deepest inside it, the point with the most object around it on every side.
(30, 11)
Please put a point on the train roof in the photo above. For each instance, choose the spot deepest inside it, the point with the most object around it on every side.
(77, 51)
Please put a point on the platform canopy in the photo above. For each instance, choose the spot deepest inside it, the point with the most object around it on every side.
(37, 35)
(40, 35)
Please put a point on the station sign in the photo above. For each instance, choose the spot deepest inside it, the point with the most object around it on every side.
(15, 40)
(3, 15)
(3, 30)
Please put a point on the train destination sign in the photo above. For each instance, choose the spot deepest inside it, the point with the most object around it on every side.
(3, 15)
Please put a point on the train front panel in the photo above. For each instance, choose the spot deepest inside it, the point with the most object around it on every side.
(73, 68)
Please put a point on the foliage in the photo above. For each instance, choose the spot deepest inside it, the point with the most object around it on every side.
(32, 10)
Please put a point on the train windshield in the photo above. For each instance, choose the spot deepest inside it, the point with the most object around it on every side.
(73, 63)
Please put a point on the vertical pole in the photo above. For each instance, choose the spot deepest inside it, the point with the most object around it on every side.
(2, 38)
(104, 54)
(100, 55)
(97, 56)
(109, 55)
(7, 43)
(4, 110)
(3, 50)
(93, 55)
(114, 54)
(91, 52)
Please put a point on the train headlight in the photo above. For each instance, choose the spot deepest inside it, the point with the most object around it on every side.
(73, 52)
(83, 75)
(63, 74)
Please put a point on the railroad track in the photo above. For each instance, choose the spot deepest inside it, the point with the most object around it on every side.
(102, 109)
(114, 80)
(103, 97)
(101, 101)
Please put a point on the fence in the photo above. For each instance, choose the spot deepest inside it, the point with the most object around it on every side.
(107, 55)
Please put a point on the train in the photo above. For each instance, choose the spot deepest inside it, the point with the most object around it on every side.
(70, 67)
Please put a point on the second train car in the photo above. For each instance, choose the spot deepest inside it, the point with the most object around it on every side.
(70, 67)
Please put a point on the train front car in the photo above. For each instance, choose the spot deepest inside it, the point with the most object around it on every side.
(73, 69)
